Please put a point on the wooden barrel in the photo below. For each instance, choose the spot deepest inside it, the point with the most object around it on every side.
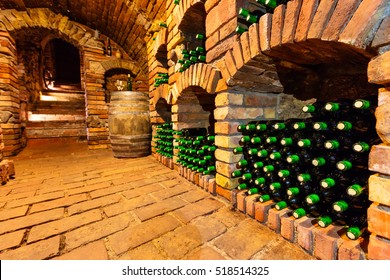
(129, 124)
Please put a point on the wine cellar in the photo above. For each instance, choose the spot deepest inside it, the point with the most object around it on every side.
(279, 108)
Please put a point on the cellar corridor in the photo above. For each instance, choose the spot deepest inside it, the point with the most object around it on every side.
(195, 129)
(60, 206)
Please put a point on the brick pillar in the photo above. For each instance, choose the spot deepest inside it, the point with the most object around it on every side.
(9, 95)
(379, 184)
(234, 108)
(96, 107)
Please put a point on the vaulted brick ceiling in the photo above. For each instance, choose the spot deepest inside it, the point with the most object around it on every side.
(127, 22)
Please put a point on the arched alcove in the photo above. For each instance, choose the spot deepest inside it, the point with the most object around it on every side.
(62, 60)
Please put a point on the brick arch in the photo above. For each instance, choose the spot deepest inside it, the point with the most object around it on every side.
(115, 63)
(307, 32)
(74, 32)
(184, 7)
(201, 75)
(160, 41)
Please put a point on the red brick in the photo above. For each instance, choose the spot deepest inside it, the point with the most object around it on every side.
(212, 186)
(254, 40)
(238, 55)
(226, 193)
(287, 226)
(250, 202)
(326, 242)
(353, 250)
(379, 159)
(240, 198)
(304, 233)
(246, 52)
(277, 26)
(359, 30)
(262, 209)
(321, 18)
(306, 15)
(291, 21)
(382, 36)
(383, 129)
(265, 25)
(214, 78)
(379, 186)
(274, 217)
(379, 69)
(378, 248)
(379, 220)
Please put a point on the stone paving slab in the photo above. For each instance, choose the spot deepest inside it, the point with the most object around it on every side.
(69, 202)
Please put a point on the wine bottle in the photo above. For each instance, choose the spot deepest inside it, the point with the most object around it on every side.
(316, 109)
(129, 84)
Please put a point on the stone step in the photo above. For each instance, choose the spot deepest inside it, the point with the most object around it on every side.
(36, 117)
(63, 95)
(56, 129)
(57, 104)
(57, 111)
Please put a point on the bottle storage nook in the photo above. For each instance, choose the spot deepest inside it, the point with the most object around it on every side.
(279, 107)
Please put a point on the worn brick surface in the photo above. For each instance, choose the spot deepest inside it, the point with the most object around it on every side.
(31, 220)
(13, 213)
(63, 225)
(12, 239)
(92, 204)
(326, 242)
(92, 251)
(36, 251)
(142, 233)
(61, 202)
(159, 208)
(199, 208)
(146, 251)
(96, 231)
(237, 244)
(205, 253)
(378, 248)
(120, 209)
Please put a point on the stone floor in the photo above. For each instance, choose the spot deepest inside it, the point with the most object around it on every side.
(69, 202)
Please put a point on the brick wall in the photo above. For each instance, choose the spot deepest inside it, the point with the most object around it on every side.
(9, 98)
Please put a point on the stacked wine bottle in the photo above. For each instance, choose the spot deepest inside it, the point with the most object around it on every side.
(196, 55)
(164, 140)
(162, 79)
(247, 18)
(196, 150)
(315, 166)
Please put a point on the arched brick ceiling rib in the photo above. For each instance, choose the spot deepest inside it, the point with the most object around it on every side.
(126, 22)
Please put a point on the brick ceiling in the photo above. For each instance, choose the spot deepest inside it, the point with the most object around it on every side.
(127, 22)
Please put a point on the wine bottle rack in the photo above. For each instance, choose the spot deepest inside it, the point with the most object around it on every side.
(316, 166)
(164, 140)
(196, 150)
